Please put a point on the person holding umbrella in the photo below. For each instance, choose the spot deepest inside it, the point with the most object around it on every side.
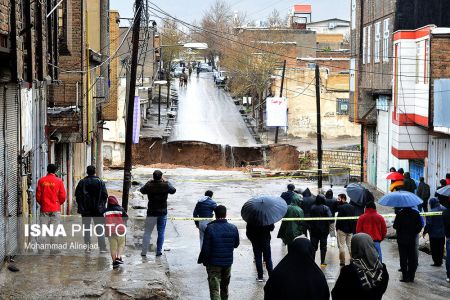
(359, 196)
(320, 229)
(408, 225)
(261, 213)
(443, 192)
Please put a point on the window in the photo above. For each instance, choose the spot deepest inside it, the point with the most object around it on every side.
(376, 54)
(64, 25)
(369, 46)
(386, 40)
(364, 54)
(341, 106)
(420, 61)
(353, 21)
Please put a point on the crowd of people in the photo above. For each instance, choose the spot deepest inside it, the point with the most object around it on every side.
(360, 236)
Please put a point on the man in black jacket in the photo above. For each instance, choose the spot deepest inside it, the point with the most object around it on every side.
(423, 191)
(260, 238)
(345, 228)
(91, 196)
(157, 191)
(320, 229)
(408, 225)
(446, 218)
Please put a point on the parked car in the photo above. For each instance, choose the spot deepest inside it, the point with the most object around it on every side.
(221, 78)
(204, 67)
(178, 71)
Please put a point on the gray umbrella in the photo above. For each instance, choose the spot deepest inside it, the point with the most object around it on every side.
(444, 191)
(264, 210)
(357, 194)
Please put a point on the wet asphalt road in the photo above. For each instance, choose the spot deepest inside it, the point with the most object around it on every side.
(206, 113)
(182, 243)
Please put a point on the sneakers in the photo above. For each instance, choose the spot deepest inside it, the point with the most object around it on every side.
(260, 279)
(158, 253)
(323, 265)
(448, 280)
(115, 264)
(119, 261)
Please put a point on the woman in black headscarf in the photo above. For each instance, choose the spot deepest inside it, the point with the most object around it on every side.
(297, 276)
(365, 277)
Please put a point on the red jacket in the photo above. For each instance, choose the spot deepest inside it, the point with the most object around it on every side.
(50, 193)
(373, 224)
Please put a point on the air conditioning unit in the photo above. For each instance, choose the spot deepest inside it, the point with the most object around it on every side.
(331, 25)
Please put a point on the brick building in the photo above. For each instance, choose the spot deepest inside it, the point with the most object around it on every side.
(373, 23)
(26, 51)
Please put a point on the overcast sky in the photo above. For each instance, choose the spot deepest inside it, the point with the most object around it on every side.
(190, 10)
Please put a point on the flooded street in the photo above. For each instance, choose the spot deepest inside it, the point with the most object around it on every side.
(182, 242)
(206, 113)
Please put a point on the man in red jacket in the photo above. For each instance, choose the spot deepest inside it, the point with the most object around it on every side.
(372, 223)
(50, 195)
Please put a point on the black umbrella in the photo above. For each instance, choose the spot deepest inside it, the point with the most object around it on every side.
(357, 194)
(264, 210)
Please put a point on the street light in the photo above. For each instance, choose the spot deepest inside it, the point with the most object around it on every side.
(159, 83)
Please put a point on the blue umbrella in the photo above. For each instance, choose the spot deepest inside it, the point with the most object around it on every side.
(264, 210)
(400, 199)
(444, 191)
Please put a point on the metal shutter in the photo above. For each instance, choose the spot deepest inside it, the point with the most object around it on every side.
(2, 175)
(12, 167)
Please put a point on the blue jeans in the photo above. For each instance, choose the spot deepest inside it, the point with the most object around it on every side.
(150, 223)
(378, 248)
(447, 260)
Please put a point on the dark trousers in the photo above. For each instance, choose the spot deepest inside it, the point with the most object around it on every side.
(323, 246)
(261, 250)
(408, 260)
(218, 280)
(99, 232)
(437, 249)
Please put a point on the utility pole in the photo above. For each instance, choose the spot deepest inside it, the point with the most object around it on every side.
(104, 46)
(319, 130)
(281, 95)
(130, 106)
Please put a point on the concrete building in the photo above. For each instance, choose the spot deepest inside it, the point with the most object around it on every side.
(330, 26)
(373, 23)
(300, 91)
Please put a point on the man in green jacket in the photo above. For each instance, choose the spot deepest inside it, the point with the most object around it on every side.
(289, 230)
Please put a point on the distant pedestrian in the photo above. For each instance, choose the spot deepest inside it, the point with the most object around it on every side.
(289, 230)
(423, 192)
(157, 191)
(436, 232)
(115, 220)
(91, 195)
(409, 184)
(220, 240)
(204, 209)
(260, 238)
(447, 179)
(408, 225)
(366, 277)
(297, 276)
(320, 229)
(392, 169)
(401, 171)
(50, 195)
(372, 223)
(287, 196)
(332, 204)
(446, 219)
(345, 228)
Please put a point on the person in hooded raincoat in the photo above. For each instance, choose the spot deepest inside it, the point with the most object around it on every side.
(435, 229)
(320, 228)
(289, 230)
(297, 276)
(365, 277)
(308, 201)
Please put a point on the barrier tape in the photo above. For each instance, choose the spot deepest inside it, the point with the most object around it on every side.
(247, 179)
(386, 216)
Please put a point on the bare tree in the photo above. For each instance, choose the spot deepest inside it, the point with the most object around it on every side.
(216, 22)
(275, 19)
